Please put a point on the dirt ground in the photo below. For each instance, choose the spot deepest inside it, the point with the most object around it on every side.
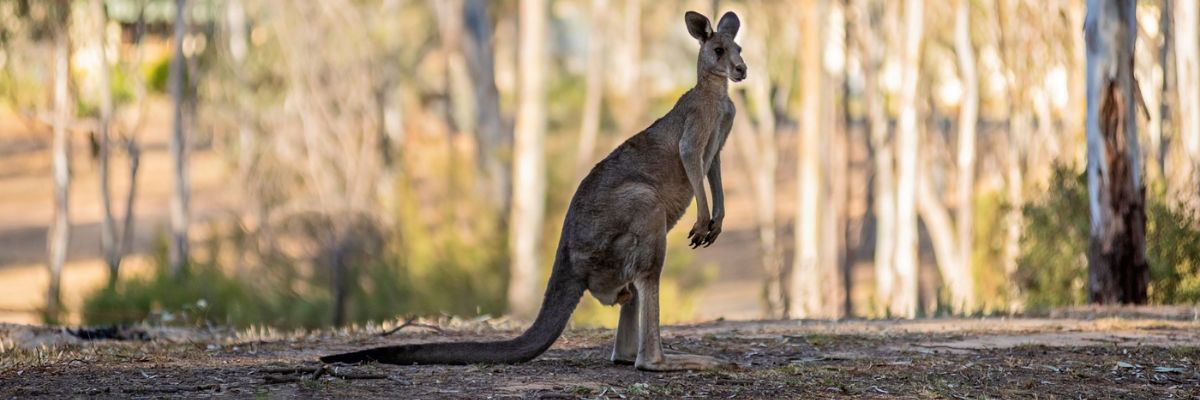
(1086, 357)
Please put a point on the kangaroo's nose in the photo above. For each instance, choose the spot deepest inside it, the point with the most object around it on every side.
(741, 69)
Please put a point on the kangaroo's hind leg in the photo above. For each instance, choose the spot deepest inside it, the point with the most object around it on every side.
(650, 355)
(626, 347)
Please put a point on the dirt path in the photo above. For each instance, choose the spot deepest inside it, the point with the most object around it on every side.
(1014, 358)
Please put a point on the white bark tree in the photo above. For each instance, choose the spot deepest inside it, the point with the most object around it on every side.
(952, 239)
(1117, 268)
(529, 160)
(626, 99)
(759, 151)
(589, 128)
(132, 149)
(1187, 64)
(492, 132)
(963, 294)
(108, 233)
(883, 190)
(904, 297)
(59, 236)
(834, 164)
(807, 287)
(180, 193)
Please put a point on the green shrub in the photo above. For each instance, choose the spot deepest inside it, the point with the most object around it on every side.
(1052, 267)
(1173, 250)
(987, 254)
(204, 294)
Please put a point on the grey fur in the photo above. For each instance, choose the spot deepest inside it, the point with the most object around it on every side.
(614, 237)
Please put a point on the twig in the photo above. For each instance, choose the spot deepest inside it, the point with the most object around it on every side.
(410, 322)
(171, 389)
(288, 370)
(317, 374)
(349, 376)
(297, 374)
(275, 379)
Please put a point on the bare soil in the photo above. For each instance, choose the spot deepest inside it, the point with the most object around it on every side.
(951, 358)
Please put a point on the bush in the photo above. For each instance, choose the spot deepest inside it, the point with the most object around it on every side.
(1052, 268)
(204, 294)
(277, 293)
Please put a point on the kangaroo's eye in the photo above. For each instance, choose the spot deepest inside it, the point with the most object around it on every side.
(719, 51)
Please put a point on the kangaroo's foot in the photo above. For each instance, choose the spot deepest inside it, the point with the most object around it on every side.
(631, 358)
(673, 361)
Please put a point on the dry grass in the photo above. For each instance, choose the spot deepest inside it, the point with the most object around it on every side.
(1015, 358)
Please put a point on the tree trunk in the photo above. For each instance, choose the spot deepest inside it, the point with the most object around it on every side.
(491, 131)
(758, 150)
(180, 190)
(942, 235)
(593, 92)
(132, 150)
(338, 281)
(108, 233)
(1155, 69)
(1187, 69)
(529, 163)
(904, 302)
(235, 16)
(962, 290)
(59, 236)
(834, 164)
(807, 284)
(883, 187)
(1166, 92)
(1117, 269)
(627, 100)
(135, 158)
(1018, 133)
(1074, 116)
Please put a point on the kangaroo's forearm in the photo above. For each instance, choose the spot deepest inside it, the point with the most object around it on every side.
(693, 152)
(714, 183)
(693, 166)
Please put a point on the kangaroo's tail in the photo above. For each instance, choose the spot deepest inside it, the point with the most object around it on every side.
(562, 295)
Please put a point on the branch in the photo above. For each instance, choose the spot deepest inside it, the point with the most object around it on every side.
(410, 322)
(937, 221)
(298, 374)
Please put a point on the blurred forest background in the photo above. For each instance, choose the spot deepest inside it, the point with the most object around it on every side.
(316, 163)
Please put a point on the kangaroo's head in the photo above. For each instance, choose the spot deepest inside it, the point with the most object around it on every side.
(719, 55)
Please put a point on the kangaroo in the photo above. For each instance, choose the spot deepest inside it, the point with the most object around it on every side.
(614, 238)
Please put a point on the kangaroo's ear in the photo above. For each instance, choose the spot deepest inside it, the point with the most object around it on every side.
(698, 26)
(729, 24)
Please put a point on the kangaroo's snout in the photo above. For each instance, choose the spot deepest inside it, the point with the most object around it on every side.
(739, 72)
